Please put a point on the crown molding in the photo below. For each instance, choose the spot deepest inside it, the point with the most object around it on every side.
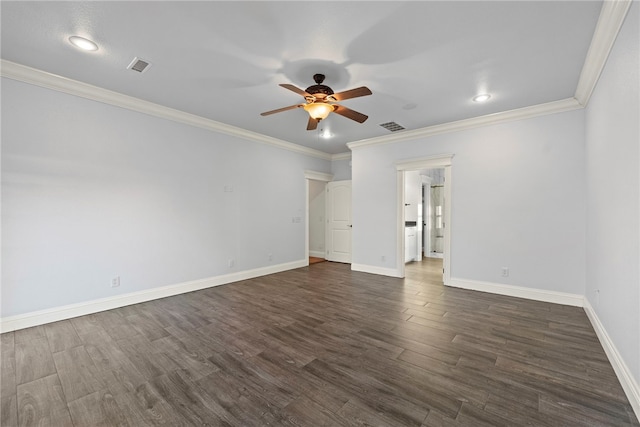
(341, 156)
(609, 23)
(560, 106)
(318, 176)
(41, 78)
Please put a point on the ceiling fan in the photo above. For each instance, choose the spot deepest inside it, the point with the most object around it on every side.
(320, 102)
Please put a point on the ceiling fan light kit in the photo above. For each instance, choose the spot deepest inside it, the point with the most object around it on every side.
(318, 110)
(321, 101)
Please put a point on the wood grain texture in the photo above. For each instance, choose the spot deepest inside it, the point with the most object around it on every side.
(42, 402)
(77, 373)
(61, 335)
(315, 346)
(33, 360)
(97, 409)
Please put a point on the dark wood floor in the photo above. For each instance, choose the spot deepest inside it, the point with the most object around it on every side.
(316, 346)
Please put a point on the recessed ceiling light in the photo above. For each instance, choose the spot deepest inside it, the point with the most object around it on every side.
(481, 98)
(82, 43)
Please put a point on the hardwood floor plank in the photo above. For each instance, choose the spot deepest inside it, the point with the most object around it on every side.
(7, 342)
(252, 376)
(192, 361)
(42, 403)
(356, 414)
(242, 403)
(9, 410)
(77, 373)
(561, 385)
(294, 378)
(61, 335)
(26, 335)
(372, 392)
(146, 360)
(437, 419)
(579, 414)
(144, 407)
(470, 415)
(146, 327)
(33, 360)
(319, 345)
(190, 403)
(97, 409)
(7, 371)
(304, 412)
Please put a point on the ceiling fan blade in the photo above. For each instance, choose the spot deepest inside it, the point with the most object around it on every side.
(295, 89)
(353, 93)
(350, 114)
(312, 124)
(279, 110)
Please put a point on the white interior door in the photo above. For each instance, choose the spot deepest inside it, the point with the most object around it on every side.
(338, 231)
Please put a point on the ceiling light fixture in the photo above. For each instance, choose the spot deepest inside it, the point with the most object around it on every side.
(82, 43)
(318, 110)
(481, 98)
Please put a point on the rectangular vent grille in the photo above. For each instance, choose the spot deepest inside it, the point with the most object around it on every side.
(139, 65)
(392, 126)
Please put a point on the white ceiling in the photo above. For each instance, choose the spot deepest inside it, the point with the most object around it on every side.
(424, 61)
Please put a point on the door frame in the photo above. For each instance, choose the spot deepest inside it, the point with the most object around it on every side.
(440, 161)
(315, 176)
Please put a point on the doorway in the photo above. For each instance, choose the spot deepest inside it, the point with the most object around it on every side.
(316, 183)
(316, 223)
(403, 168)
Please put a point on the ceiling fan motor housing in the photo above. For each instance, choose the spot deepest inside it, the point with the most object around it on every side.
(319, 88)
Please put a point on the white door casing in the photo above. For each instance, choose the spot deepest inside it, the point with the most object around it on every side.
(338, 214)
(440, 161)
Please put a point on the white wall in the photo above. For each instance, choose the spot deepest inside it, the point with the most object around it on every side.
(317, 218)
(613, 195)
(91, 191)
(518, 201)
(341, 169)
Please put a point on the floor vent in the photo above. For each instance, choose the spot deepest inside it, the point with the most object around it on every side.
(139, 65)
(392, 126)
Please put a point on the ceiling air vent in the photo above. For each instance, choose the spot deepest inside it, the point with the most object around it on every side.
(139, 65)
(392, 126)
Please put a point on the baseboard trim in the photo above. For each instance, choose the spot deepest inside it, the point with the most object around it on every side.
(42, 317)
(363, 268)
(628, 383)
(317, 254)
(518, 291)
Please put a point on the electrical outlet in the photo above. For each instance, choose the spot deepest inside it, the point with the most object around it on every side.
(383, 258)
(115, 282)
(270, 257)
(231, 263)
(505, 271)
